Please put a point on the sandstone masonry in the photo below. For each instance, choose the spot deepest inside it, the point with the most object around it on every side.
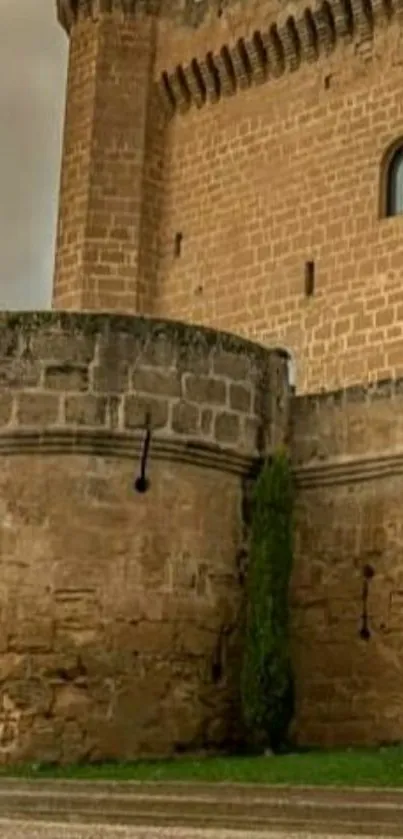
(119, 610)
(227, 164)
(214, 151)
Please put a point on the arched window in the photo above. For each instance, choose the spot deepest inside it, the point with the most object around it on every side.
(394, 183)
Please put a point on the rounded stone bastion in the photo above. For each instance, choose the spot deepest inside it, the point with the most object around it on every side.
(124, 448)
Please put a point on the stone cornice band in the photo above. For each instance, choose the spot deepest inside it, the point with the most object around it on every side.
(104, 443)
(353, 470)
(268, 54)
(126, 445)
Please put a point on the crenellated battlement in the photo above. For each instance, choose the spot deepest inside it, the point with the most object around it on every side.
(71, 11)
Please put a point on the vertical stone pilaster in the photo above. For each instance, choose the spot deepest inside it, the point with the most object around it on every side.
(99, 226)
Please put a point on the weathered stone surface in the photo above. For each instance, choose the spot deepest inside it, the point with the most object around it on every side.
(233, 366)
(54, 345)
(66, 377)
(205, 390)
(20, 372)
(349, 671)
(227, 428)
(37, 408)
(113, 378)
(138, 407)
(6, 407)
(115, 606)
(185, 418)
(86, 409)
(240, 398)
(160, 382)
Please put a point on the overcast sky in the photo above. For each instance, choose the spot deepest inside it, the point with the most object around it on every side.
(33, 65)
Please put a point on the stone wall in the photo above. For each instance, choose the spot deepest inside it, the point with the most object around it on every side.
(119, 610)
(99, 226)
(207, 168)
(348, 453)
(263, 179)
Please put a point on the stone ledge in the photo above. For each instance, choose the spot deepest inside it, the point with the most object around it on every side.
(153, 335)
(323, 812)
(353, 470)
(363, 394)
(105, 443)
(124, 445)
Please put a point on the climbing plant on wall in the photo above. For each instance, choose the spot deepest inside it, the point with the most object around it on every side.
(266, 678)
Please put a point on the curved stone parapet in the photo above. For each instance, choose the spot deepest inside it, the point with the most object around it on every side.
(119, 608)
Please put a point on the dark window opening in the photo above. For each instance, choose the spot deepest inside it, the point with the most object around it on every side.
(394, 184)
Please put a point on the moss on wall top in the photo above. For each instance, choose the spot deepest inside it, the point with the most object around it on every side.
(187, 339)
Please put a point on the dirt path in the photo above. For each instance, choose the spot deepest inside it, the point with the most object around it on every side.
(29, 830)
(194, 810)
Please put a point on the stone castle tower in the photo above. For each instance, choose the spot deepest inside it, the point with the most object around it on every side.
(232, 182)
(239, 164)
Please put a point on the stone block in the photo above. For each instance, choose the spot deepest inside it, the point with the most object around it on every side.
(30, 693)
(62, 347)
(194, 361)
(159, 351)
(206, 390)
(206, 421)
(185, 418)
(114, 411)
(12, 666)
(136, 409)
(157, 382)
(66, 377)
(240, 398)
(111, 379)
(227, 428)
(6, 407)
(233, 366)
(71, 701)
(252, 433)
(86, 409)
(19, 372)
(38, 408)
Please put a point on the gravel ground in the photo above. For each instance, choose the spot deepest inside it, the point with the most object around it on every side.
(34, 830)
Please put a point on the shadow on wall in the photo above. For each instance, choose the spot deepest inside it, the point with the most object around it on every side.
(292, 371)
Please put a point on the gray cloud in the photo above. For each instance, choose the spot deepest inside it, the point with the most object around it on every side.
(33, 64)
